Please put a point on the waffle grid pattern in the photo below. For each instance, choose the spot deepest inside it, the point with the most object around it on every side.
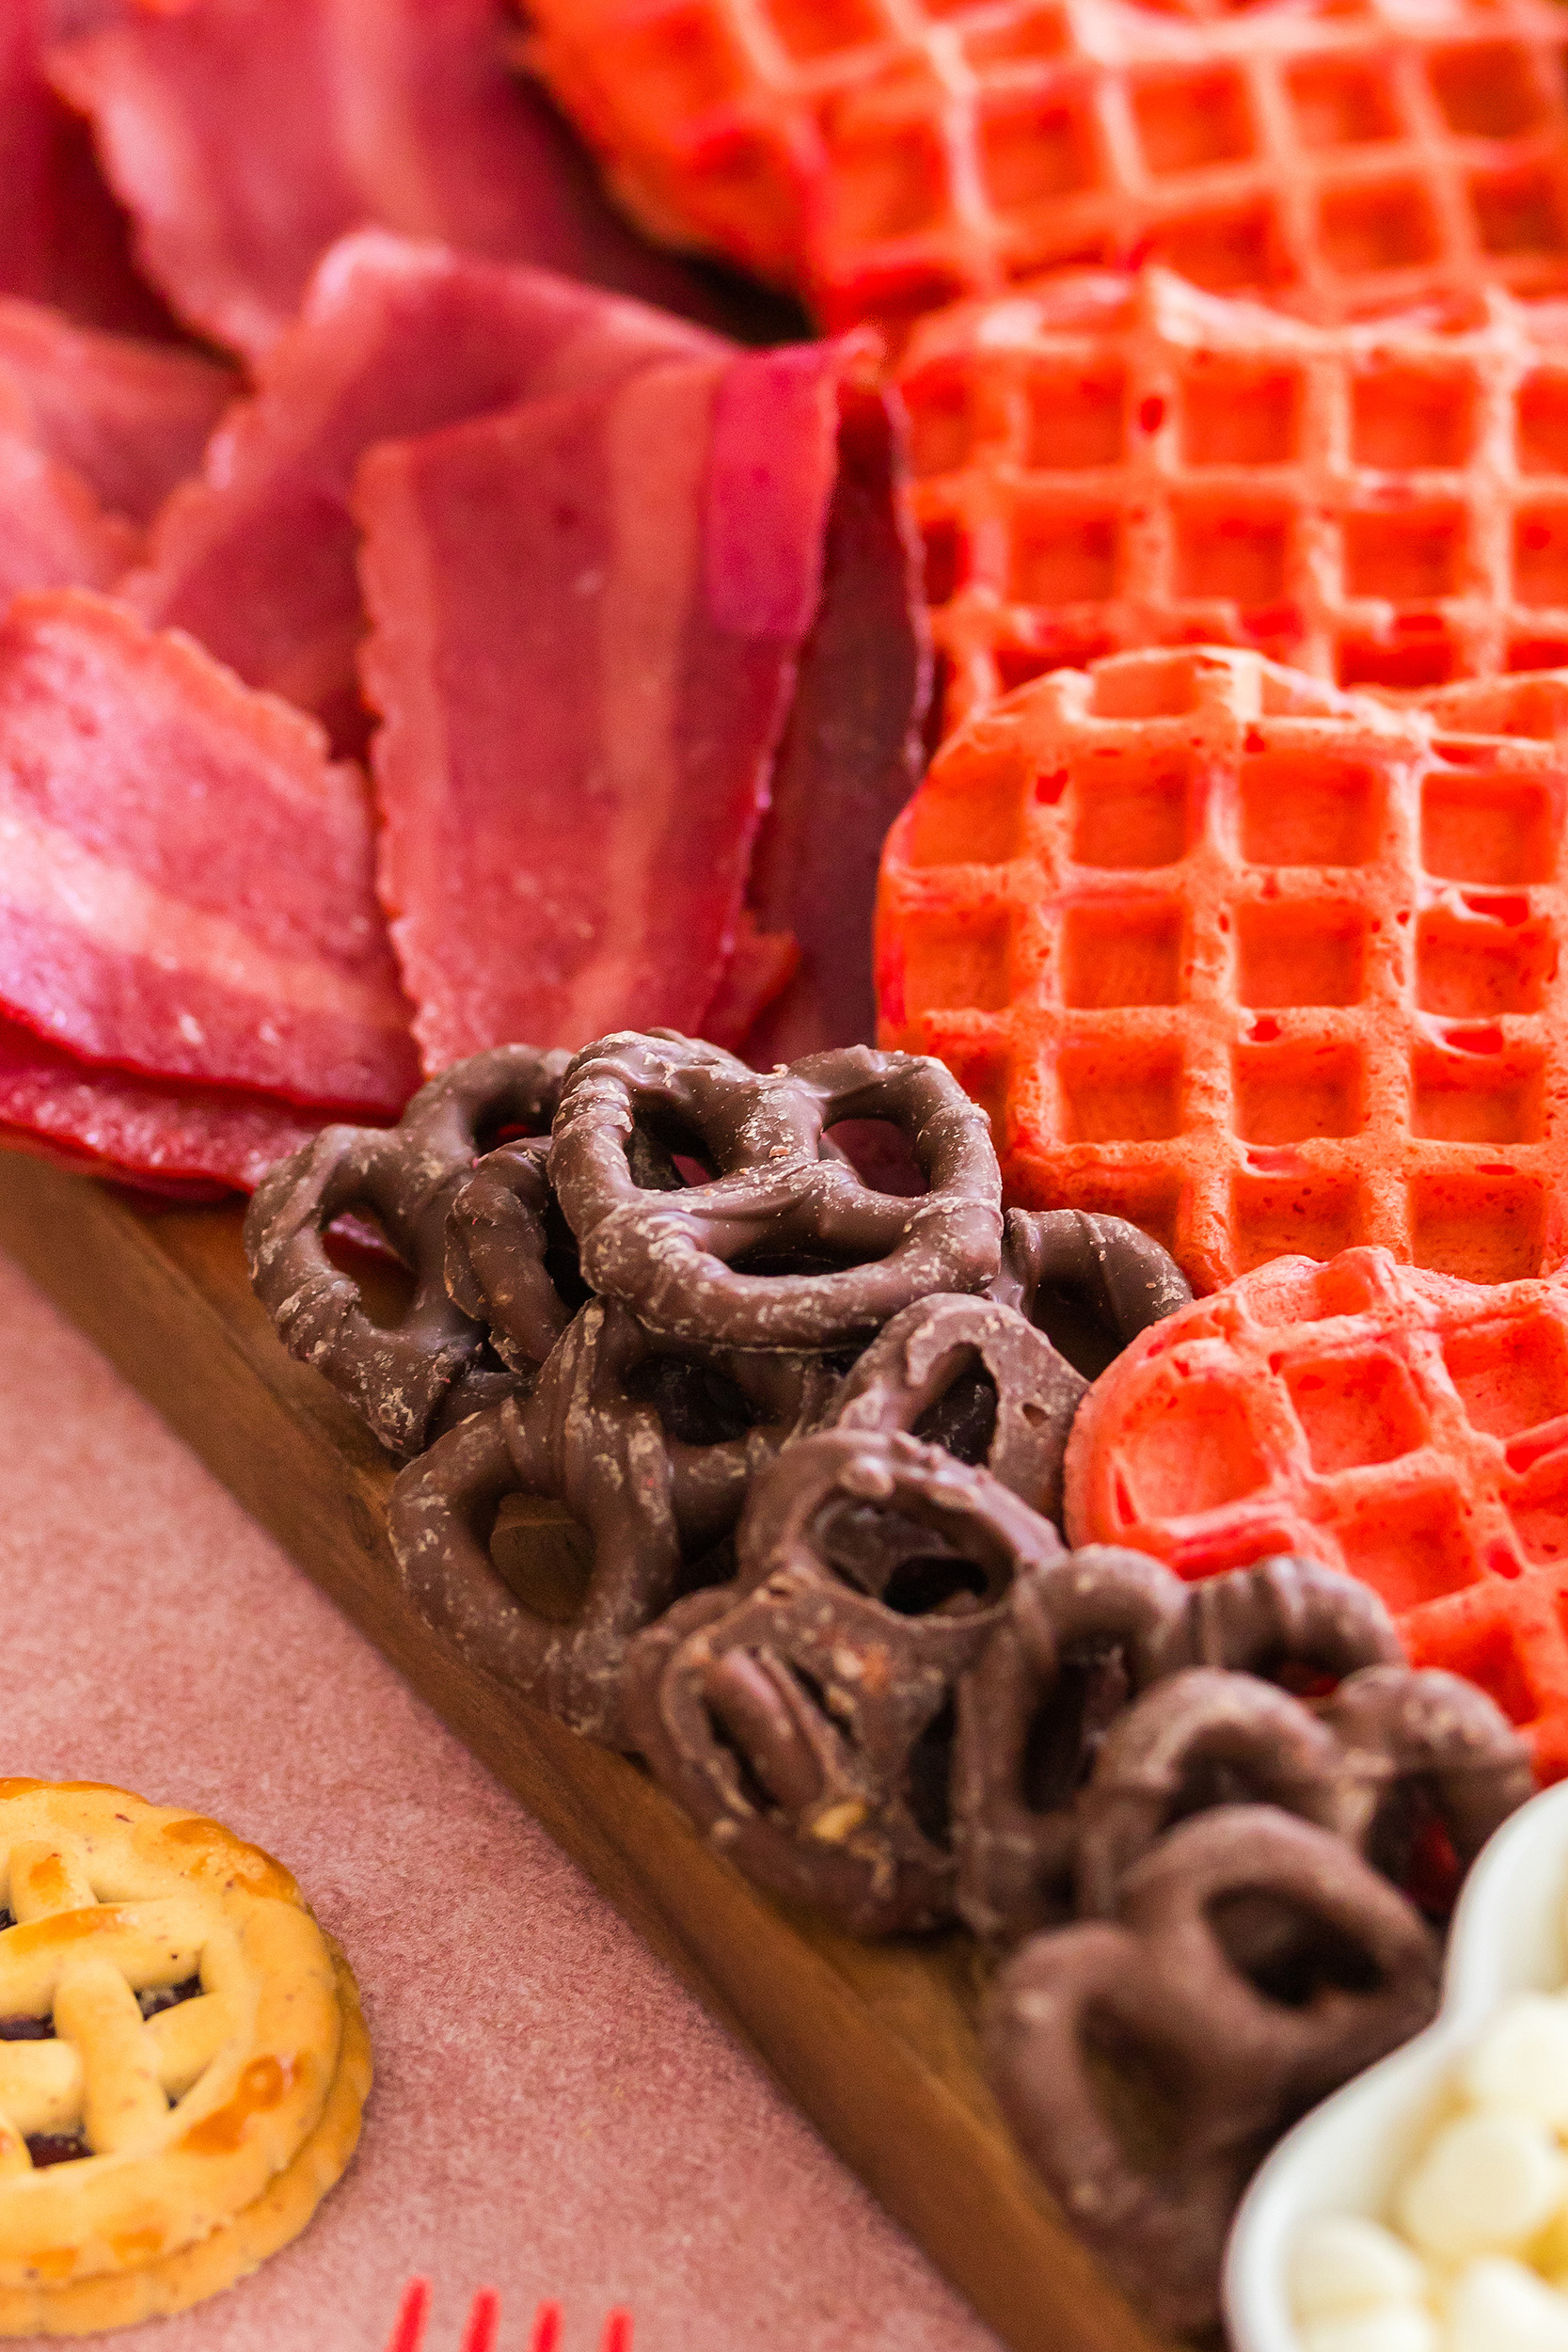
(1106, 463)
(886, 156)
(1263, 967)
(1407, 1429)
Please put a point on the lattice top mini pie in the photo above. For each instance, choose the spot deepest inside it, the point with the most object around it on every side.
(885, 156)
(182, 2060)
(1259, 965)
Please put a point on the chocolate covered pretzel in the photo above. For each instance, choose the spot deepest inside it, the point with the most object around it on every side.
(649, 1454)
(1232, 2056)
(503, 1254)
(977, 1379)
(803, 1719)
(396, 1377)
(767, 1243)
(1091, 1283)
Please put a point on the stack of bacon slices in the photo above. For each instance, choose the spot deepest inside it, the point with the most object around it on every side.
(420, 624)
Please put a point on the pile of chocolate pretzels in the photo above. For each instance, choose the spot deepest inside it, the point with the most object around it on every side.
(800, 1395)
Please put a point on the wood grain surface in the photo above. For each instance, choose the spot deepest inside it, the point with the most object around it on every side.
(874, 2042)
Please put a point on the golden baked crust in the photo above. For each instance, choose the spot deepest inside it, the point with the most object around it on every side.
(214, 2126)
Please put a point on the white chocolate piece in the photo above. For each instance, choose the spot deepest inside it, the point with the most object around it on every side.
(1521, 2062)
(1486, 2183)
(1342, 2263)
(1500, 2306)
(1391, 2327)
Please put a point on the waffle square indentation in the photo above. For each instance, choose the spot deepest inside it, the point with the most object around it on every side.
(1117, 953)
(1292, 1092)
(940, 402)
(1405, 557)
(1290, 953)
(1077, 417)
(1469, 968)
(1063, 559)
(958, 963)
(1187, 120)
(1240, 416)
(1412, 1549)
(1484, 1228)
(686, 62)
(1517, 211)
(1404, 418)
(1409, 660)
(1541, 555)
(1238, 558)
(1113, 1093)
(1196, 1451)
(1486, 89)
(1480, 829)
(1540, 1512)
(891, 182)
(1356, 1410)
(1384, 228)
(1030, 152)
(1542, 421)
(1308, 809)
(1130, 815)
(1315, 1214)
(1460, 1099)
(1511, 1377)
(1231, 247)
(1340, 105)
(982, 825)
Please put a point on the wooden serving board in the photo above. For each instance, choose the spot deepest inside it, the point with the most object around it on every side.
(876, 2043)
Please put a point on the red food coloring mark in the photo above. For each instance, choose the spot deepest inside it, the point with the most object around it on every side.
(1276, 621)
(1535, 536)
(1509, 911)
(1263, 1032)
(1486, 1037)
(546, 2328)
(1494, 1168)
(1498, 1561)
(483, 2319)
(1151, 413)
(1256, 741)
(617, 2332)
(1049, 789)
(1403, 916)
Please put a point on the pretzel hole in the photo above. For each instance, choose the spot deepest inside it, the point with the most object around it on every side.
(750, 1720)
(47, 2148)
(667, 1156)
(1078, 1323)
(774, 1264)
(697, 1403)
(545, 1561)
(154, 1998)
(1134, 2095)
(1286, 1951)
(908, 1565)
(928, 1776)
(1091, 1689)
(26, 2029)
(962, 1421)
(359, 1246)
(1410, 1844)
(880, 1155)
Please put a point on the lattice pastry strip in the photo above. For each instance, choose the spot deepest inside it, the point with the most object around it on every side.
(1401, 1426)
(1107, 463)
(884, 156)
(1257, 964)
(179, 2046)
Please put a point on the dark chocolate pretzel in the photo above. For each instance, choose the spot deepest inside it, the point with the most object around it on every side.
(1081, 1636)
(1234, 2060)
(1424, 1739)
(396, 1379)
(1091, 1283)
(602, 1434)
(975, 1378)
(1289, 1615)
(781, 1246)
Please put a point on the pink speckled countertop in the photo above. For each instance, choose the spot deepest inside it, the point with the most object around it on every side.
(552, 2114)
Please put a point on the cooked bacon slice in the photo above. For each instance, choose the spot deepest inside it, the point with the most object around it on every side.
(193, 1142)
(587, 620)
(185, 881)
(24, 138)
(53, 532)
(130, 417)
(258, 559)
(760, 966)
(245, 136)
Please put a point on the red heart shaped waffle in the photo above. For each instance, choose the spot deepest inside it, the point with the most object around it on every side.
(1405, 1426)
(1258, 965)
(1106, 461)
(886, 156)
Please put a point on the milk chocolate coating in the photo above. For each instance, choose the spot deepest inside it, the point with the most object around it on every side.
(803, 1720)
(1091, 1283)
(1289, 1615)
(498, 1249)
(601, 1434)
(1081, 1635)
(1431, 1738)
(396, 1379)
(975, 1378)
(781, 1246)
(1234, 2060)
